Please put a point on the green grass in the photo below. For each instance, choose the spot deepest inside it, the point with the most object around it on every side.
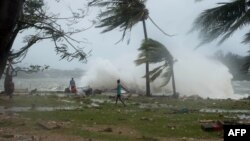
(148, 122)
(6, 123)
(101, 136)
(47, 101)
(185, 125)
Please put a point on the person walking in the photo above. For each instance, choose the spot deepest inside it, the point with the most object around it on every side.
(119, 92)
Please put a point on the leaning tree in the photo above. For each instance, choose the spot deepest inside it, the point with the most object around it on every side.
(10, 11)
(124, 14)
(45, 26)
(222, 21)
(155, 52)
(12, 70)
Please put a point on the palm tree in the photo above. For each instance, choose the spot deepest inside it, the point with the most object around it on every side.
(222, 21)
(124, 14)
(154, 52)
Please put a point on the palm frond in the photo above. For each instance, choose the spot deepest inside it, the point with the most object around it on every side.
(246, 66)
(102, 3)
(107, 13)
(221, 21)
(155, 73)
(158, 27)
(140, 61)
(121, 14)
(243, 21)
(246, 38)
(156, 69)
(167, 76)
(155, 52)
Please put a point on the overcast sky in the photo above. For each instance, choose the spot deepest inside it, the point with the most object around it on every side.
(173, 16)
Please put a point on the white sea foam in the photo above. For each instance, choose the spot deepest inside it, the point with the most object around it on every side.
(195, 74)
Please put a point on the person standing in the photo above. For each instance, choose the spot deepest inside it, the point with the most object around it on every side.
(119, 92)
(72, 84)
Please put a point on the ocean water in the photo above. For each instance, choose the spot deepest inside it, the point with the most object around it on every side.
(51, 84)
(239, 87)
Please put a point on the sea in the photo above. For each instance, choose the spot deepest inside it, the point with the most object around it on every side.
(59, 84)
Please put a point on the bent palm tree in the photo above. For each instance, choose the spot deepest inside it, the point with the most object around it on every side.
(222, 21)
(154, 52)
(123, 14)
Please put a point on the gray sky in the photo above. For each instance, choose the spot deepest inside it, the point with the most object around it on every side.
(173, 16)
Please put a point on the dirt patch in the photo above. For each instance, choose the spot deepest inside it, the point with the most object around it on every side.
(188, 139)
(50, 125)
(111, 129)
(49, 137)
(60, 137)
(21, 133)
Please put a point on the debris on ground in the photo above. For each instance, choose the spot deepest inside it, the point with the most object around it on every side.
(109, 129)
(181, 111)
(67, 90)
(144, 138)
(33, 91)
(97, 91)
(147, 119)
(211, 125)
(88, 91)
(93, 105)
(49, 125)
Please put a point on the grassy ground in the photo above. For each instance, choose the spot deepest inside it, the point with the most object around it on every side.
(144, 118)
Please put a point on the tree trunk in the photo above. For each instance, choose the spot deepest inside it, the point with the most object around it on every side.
(175, 95)
(10, 11)
(148, 92)
(7, 80)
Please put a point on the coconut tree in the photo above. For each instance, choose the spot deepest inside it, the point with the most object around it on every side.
(154, 52)
(222, 21)
(124, 14)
